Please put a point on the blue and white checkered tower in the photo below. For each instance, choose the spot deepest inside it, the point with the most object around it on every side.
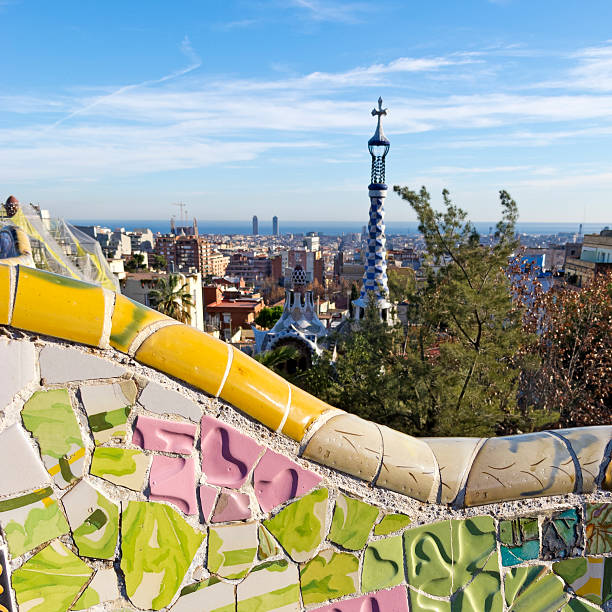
(375, 274)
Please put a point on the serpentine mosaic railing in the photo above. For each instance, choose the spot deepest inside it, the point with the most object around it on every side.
(148, 465)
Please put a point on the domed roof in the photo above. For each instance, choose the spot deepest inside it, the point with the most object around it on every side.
(12, 200)
(298, 278)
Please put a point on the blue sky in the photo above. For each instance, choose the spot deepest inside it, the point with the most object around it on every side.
(118, 109)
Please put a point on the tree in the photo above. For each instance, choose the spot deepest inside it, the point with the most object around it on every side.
(171, 297)
(574, 342)
(471, 333)
(158, 262)
(402, 284)
(455, 369)
(279, 358)
(267, 317)
(370, 376)
(136, 262)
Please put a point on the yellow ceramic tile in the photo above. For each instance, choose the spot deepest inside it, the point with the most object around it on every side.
(129, 319)
(5, 294)
(256, 390)
(187, 354)
(305, 409)
(58, 306)
(408, 466)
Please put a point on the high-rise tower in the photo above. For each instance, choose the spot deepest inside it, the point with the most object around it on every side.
(275, 225)
(255, 226)
(375, 274)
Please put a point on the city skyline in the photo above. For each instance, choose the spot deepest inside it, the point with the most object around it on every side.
(199, 104)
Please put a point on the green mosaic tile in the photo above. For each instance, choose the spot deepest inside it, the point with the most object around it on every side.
(561, 534)
(94, 520)
(269, 587)
(232, 549)
(598, 528)
(124, 467)
(299, 527)
(429, 562)
(51, 580)
(48, 415)
(421, 603)
(575, 605)
(30, 520)
(483, 594)
(443, 557)
(473, 542)
(352, 522)
(589, 577)
(533, 589)
(391, 523)
(210, 594)
(329, 575)
(268, 546)
(520, 539)
(383, 564)
(157, 547)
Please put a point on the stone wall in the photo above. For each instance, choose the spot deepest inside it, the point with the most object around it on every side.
(147, 466)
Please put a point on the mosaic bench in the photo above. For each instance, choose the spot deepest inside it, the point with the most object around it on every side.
(147, 466)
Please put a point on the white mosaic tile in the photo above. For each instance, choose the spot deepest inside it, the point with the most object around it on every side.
(31, 473)
(18, 366)
(59, 364)
(156, 399)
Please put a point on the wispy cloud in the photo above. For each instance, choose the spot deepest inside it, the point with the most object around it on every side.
(186, 120)
(186, 49)
(235, 25)
(332, 10)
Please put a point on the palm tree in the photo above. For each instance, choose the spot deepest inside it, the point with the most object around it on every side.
(172, 298)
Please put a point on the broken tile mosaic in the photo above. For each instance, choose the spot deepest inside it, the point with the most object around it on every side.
(561, 534)
(520, 539)
(48, 415)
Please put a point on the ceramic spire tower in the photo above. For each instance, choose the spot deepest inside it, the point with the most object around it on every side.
(375, 273)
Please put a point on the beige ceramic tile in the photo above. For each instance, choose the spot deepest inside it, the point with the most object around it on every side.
(589, 444)
(408, 466)
(520, 467)
(349, 444)
(454, 457)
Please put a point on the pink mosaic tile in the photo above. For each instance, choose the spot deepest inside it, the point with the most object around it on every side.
(172, 479)
(393, 600)
(278, 479)
(166, 436)
(208, 495)
(232, 506)
(227, 455)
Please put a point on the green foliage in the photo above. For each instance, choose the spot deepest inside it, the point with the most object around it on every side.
(455, 369)
(158, 262)
(268, 317)
(278, 357)
(136, 262)
(172, 298)
(402, 284)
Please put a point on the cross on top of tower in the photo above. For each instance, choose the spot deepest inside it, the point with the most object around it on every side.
(380, 110)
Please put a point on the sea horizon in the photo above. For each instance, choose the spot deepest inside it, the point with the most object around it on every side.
(330, 228)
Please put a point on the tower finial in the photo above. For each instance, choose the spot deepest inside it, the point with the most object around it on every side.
(378, 145)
